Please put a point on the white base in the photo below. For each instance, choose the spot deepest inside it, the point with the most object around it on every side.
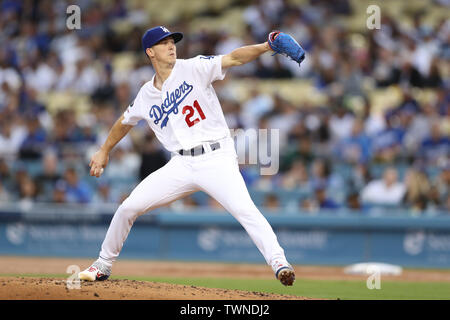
(368, 268)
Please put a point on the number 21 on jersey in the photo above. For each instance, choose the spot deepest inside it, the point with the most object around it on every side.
(189, 112)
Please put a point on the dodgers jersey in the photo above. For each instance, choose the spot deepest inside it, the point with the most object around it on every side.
(186, 112)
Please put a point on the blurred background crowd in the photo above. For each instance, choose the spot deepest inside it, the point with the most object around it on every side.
(364, 123)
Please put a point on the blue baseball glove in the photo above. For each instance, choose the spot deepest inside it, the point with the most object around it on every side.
(283, 43)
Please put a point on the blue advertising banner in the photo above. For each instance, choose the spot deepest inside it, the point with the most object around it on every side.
(205, 236)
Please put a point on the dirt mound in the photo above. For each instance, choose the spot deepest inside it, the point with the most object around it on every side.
(31, 288)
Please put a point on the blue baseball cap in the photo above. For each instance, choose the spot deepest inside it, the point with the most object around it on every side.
(154, 35)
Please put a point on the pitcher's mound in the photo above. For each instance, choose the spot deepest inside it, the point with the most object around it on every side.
(28, 288)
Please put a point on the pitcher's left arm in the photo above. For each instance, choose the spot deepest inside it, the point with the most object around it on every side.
(244, 55)
(277, 42)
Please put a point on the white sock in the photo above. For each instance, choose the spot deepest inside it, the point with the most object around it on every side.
(105, 262)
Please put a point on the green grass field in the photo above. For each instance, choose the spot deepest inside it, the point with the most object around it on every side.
(325, 289)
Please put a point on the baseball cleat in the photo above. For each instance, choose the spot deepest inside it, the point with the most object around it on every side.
(284, 272)
(96, 272)
(286, 276)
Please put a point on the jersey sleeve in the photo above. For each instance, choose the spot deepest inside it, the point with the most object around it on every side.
(133, 114)
(208, 69)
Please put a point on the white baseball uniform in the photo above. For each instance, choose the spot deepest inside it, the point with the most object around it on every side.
(186, 114)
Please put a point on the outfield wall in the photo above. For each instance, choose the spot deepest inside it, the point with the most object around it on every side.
(210, 236)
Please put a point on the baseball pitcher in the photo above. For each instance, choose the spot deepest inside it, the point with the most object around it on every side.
(181, 107)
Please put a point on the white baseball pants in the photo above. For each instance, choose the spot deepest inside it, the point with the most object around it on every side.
(214, 172)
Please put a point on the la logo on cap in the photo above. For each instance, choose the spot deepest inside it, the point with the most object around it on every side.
(165, 29)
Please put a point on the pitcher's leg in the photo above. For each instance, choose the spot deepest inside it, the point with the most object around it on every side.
(160, 188)
(222, 180)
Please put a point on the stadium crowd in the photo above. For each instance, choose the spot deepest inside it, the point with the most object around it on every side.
(333, 155)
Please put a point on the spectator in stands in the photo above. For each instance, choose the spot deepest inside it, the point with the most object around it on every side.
(323, 176)
(262, 182)
(443, 101)
(439, 191)
(271, 202)
(257, 17)
(419, 127)
(436, 148)
(373, 122)
(227, 43)
(353, 202)
(76, 190)
(385, 191)
(325, 63)
(19, 176)
(351, 78)
(446, 206)
(318, 201)
(30, 106)
(10, 82)
(66, 133)
(323, 201)
(387, 145)
(319, 125)
(301, 149)
(308, 205)
(408, 104)
(35, 140)
(122, 95)
(298, 131)
(59, 195)
(258, 104)
(383, 69)
(360, 176)
(123, 164)
(11, 138)
(442, 182)
(283, 120)
(355, 148)
(152, 156)
(103, 194)
(406, 74)
(39, 75)
(262, 71)
(279, 71)
(28, 190)
(190, 202)
(47, 179)
(105, 91)
(419, 205)
(341, 123)
(6, 176)
(435, 201)
(4, 194)
(296, 177)
(81, 76)
(434, 78)
(417, 189)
